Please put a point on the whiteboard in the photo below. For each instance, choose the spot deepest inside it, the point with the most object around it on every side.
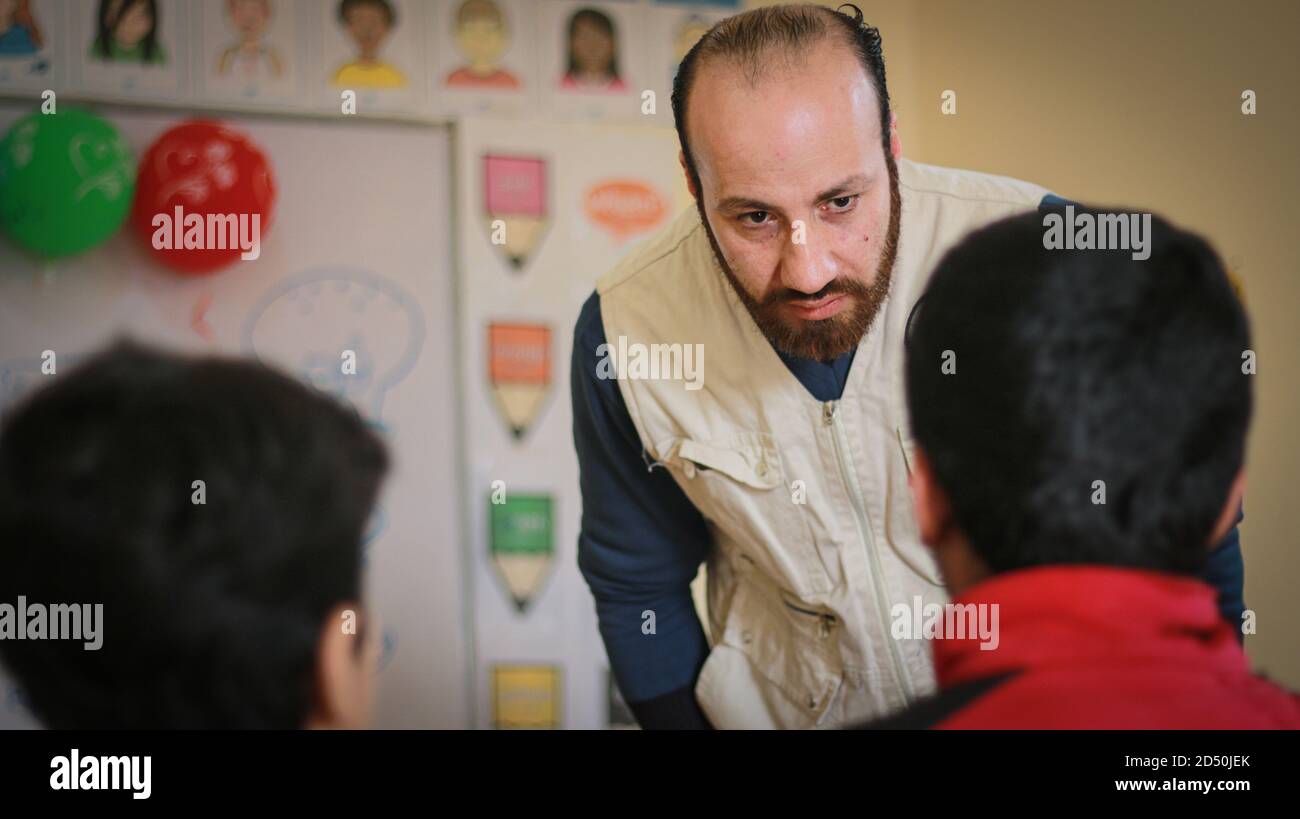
(363, 207)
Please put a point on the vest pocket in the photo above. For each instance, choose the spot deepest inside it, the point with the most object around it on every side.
(747, 463)
(776, 665)
(739, 484)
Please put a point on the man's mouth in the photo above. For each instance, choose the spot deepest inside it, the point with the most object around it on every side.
(821, 308)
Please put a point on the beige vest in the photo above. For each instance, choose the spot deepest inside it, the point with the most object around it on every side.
(808, 501)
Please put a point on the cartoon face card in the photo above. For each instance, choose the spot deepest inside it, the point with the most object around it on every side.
(484, 58)
(673, 32)
(131, 47)
(373, 48)
(32, 43)
(592, 59)
(250, 50)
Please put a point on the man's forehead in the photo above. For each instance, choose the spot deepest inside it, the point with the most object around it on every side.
(789, 99)
(805, 128)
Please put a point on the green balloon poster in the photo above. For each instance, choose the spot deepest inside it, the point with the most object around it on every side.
(66, 182)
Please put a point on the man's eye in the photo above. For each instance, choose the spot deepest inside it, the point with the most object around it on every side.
(755, 218)
(841, 203)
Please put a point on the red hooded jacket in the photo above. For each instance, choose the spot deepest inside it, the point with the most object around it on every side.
(1100, 647)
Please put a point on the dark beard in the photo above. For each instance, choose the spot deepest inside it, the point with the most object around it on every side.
(823, 339)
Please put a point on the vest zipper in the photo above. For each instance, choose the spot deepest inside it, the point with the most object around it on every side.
(831, 418)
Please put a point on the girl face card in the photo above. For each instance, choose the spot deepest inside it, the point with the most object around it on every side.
(373, 48)
(250, 50)
(484, 56)
(592, 60)
(29, 30)
(131, 47)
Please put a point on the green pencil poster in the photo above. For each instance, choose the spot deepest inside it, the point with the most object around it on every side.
(522, 543)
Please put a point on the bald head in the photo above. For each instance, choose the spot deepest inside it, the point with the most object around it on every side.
(776, 41)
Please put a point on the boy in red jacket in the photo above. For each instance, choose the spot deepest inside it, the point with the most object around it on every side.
(1080, 421)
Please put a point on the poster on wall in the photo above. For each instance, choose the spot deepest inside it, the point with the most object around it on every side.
(525, 696)
(484, 56)
(606, 187)
(519, 371)
(624, 207)
(131, 48)
(250, 51)
(373, 48)
(33, 44)
(592, 61)
(522, 543)
(516, 206)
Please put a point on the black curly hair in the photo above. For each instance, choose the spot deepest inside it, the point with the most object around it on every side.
(213, 611)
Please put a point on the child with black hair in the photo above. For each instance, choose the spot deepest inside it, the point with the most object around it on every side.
(1080, 419)
(215, 510)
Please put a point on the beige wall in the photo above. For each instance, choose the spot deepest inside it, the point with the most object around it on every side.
(1139, 104)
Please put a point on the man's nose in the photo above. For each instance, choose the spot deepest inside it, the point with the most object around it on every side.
(806, 265)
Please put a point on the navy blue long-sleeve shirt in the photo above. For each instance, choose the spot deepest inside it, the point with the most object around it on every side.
(642, 541)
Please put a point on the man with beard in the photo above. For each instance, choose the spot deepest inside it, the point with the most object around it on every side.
(788, 471)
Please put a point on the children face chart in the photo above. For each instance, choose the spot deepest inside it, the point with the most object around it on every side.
(131, 48)
(596, 70)
(251, 50)
(485, 51)
(572, 59)
(32, 43)
(373, 48)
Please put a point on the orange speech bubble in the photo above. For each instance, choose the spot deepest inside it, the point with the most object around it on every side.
(624, 207)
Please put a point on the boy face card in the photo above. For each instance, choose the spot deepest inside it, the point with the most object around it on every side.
(132, 47)
(483, 57)
(250, 50)
(373, 49)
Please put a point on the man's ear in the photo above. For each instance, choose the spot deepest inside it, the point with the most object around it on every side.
(895, 144)
(343, 669)
(690, 183)
(1228, 514)
(929, 501)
